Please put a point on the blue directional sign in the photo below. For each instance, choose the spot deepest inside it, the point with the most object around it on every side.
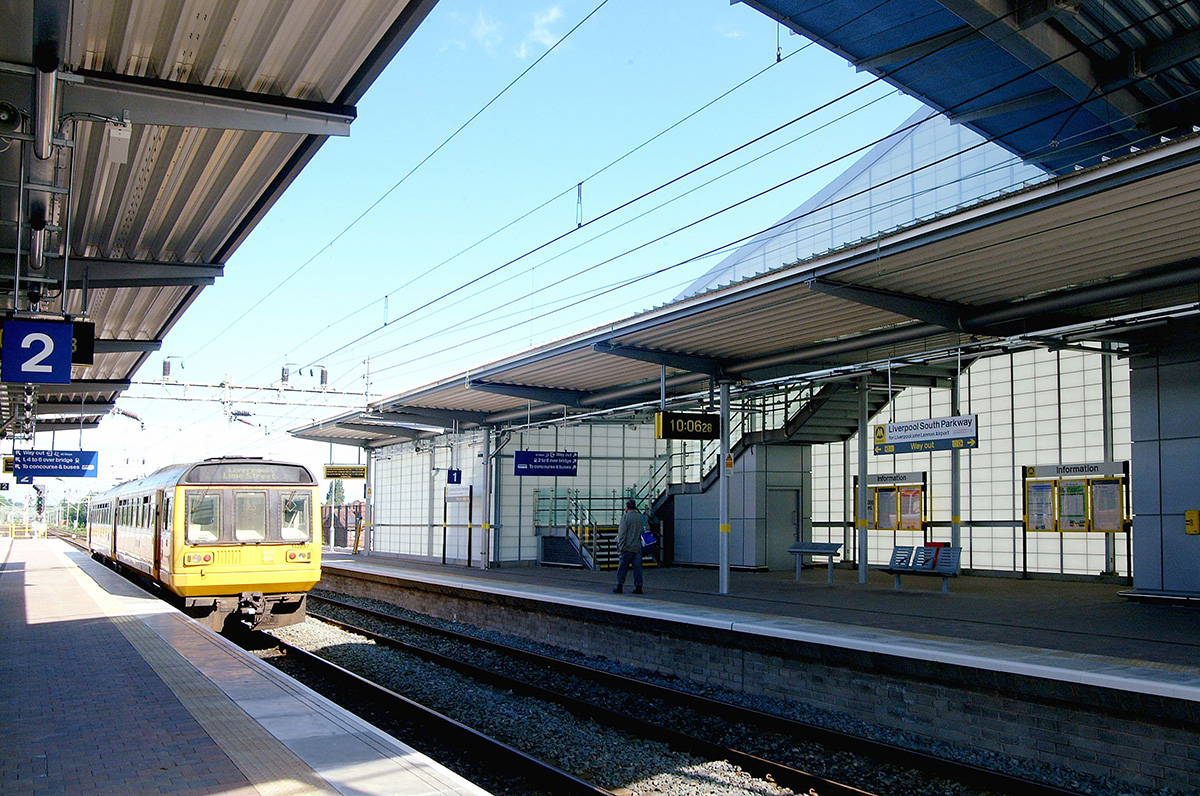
(36, 352)
(54, 464)
(546, 463)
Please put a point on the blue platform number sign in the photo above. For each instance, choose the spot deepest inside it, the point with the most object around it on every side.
(36, 352)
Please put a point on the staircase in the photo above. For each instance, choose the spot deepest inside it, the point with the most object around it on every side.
(568, 531)
(811, 415)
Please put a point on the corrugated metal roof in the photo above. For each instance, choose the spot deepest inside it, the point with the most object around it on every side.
(223, 104)
(1082, 249)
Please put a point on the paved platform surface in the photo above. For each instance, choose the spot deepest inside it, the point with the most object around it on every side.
(106, 690)
(1080, 632)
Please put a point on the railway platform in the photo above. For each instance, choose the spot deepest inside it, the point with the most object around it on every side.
(1050, 672)
(107, 690)
(1037, 622)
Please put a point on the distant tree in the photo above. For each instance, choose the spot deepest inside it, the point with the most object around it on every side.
(337, 493)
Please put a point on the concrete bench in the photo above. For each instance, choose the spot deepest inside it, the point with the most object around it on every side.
(827, 549)
(942, 562)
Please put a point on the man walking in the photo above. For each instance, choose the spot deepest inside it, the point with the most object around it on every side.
(629, 545)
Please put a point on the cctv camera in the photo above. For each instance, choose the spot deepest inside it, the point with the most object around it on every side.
(10, 118)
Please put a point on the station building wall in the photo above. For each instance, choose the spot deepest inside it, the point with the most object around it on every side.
(1035, 408)
(410, 482)
(768, 507)
(410, 479)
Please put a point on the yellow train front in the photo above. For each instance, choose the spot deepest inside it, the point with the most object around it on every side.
(234, 540)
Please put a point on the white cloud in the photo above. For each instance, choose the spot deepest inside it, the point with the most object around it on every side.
(540, 33)
(487, 32)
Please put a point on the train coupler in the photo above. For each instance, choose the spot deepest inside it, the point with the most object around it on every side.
(250, 607)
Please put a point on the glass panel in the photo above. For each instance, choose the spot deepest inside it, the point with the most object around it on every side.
(296, 525)
(203, 517)
(250, 516)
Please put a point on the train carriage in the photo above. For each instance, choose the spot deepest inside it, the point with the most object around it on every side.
(232, 539)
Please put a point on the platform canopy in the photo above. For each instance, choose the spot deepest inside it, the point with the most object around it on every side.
(140, 143)
(1075, 262)
(1058, 82)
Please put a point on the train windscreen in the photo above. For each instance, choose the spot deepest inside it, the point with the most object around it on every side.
(229, 515)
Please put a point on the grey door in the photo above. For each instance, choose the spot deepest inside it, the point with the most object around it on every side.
(783, 527)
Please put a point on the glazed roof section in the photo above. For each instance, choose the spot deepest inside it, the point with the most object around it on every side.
(1061, 83)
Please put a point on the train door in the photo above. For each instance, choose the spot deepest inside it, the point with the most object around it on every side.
(162, 535)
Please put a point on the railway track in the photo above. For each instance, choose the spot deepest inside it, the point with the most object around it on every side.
(489, 759)
(769, 771)
(612, 697)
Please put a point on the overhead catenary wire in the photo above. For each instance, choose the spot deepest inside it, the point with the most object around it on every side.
(807, 114)
(559, 195)
(404, 179)
(1150, 136)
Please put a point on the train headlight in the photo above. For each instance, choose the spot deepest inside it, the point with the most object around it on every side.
(197, 559)
(298, 556)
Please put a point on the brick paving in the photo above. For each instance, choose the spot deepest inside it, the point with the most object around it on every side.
(100, 722)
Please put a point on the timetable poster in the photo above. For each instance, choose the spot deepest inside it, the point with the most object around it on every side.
(885, 501)
(910, 508)
(1039, 502)
(1108, 513)
(1072, 506)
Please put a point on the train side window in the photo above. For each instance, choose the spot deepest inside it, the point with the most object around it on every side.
(203, 518)
(296, 525)
(250, 516)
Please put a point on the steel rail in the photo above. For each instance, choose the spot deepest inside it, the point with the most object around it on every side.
(497, 754)
(984, 779)
(787, 776)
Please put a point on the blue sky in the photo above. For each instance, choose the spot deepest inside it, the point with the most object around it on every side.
(355, 245)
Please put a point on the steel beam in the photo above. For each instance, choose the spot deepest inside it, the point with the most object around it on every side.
(426, 415)
(174, 104)
(87, 385)
(73, 408)
(114, 346)
(402, 432)
(901, 55)
(941, 313)
(547, 395)
(687, 362)
(98, 273)
(66, 425)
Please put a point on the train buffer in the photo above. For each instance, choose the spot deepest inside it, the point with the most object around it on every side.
(827, 549)
(926, 560)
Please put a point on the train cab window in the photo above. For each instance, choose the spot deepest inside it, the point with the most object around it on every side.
(203, 518)
(296, 525)
(250, 516)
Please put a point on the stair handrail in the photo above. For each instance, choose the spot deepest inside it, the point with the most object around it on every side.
(583, 525)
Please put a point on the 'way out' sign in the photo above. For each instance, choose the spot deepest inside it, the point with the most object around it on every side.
(935, 434)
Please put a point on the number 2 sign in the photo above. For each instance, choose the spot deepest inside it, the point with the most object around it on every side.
(36, 352)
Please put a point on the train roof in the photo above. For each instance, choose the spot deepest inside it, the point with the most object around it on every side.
(221, 470)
